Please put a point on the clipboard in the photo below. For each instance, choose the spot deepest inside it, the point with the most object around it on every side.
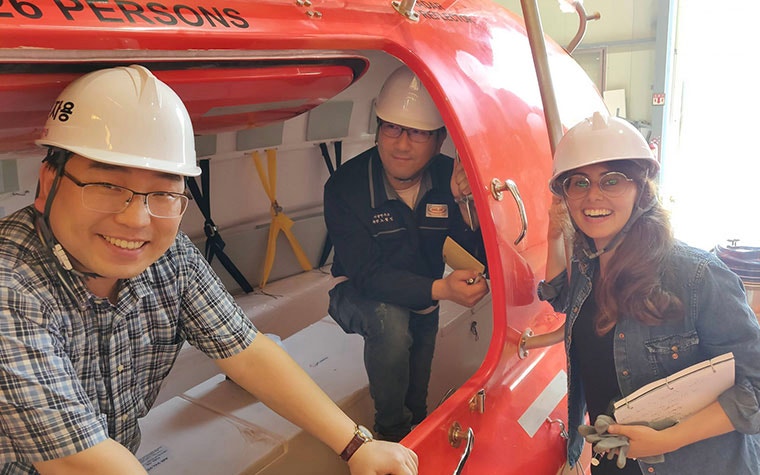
(679, 395)
(457, 257)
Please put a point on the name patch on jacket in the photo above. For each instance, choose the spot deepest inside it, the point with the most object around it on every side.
(382, 218)
(437, 210)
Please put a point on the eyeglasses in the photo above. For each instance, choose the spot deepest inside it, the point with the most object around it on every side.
(110, 198)
(394, 131)
(611, 184)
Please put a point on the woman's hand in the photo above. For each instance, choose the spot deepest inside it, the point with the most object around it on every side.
(644, 441)
(559, 220)
(709, 422)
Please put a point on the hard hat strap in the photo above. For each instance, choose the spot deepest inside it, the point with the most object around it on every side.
(638, 211)
(57, 159)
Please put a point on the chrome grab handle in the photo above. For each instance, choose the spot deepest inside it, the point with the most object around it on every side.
(497, 191)
(455, 439)
(466, 453)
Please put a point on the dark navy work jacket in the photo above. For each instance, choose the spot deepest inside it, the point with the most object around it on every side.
(390, 252)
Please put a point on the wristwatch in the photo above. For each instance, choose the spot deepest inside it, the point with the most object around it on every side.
(362, 435)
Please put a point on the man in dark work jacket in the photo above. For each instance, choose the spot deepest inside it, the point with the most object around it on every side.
(388, 212)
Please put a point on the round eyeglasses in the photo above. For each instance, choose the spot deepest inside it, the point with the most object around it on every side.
(394, 131)
(612, 184)
(110, 198)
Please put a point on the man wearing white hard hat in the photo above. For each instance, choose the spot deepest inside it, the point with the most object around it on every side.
(388, 212)
(100, 290)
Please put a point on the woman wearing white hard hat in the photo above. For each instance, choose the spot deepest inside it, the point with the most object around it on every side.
(641, 306)
(100, 290)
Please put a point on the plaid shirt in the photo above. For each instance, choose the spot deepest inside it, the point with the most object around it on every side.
(75, 371)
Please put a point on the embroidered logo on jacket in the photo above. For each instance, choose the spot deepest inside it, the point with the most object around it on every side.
(437, 211)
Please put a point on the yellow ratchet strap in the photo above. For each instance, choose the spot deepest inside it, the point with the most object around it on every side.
(280, 222)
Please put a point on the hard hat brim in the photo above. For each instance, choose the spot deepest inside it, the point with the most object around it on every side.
(125, 160)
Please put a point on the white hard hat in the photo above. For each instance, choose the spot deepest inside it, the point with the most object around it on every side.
(403, 100)
(600, 138)
(123, 116)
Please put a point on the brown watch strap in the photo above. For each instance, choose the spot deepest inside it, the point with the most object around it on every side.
(356, 442)
(361, 436)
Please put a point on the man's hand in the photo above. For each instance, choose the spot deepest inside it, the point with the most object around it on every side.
(459, 185)
(460, 189)
(465, 287)
(380, 458)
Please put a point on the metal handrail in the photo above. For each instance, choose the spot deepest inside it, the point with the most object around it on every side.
(541, 62)
(581, 25)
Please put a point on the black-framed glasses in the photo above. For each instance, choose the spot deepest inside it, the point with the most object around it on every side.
(114, 199)
(394, 131)
(612, 184)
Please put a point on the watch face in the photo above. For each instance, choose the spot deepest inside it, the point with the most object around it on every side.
(364, 433)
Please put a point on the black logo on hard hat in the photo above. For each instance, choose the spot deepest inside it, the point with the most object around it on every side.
(62, 110)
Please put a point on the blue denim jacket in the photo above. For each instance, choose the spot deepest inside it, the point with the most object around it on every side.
(718, 320)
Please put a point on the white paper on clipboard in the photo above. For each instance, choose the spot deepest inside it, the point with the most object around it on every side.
(679, 395)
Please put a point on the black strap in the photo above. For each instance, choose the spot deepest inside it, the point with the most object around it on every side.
(214, 242)
(326, 156)
(338, 145)
(338, 152)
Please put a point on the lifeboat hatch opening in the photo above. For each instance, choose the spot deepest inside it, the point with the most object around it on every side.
(220, 96)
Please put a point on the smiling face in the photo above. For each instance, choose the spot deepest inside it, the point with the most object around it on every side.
(113, 245)
(598, 215)
(404, 160)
